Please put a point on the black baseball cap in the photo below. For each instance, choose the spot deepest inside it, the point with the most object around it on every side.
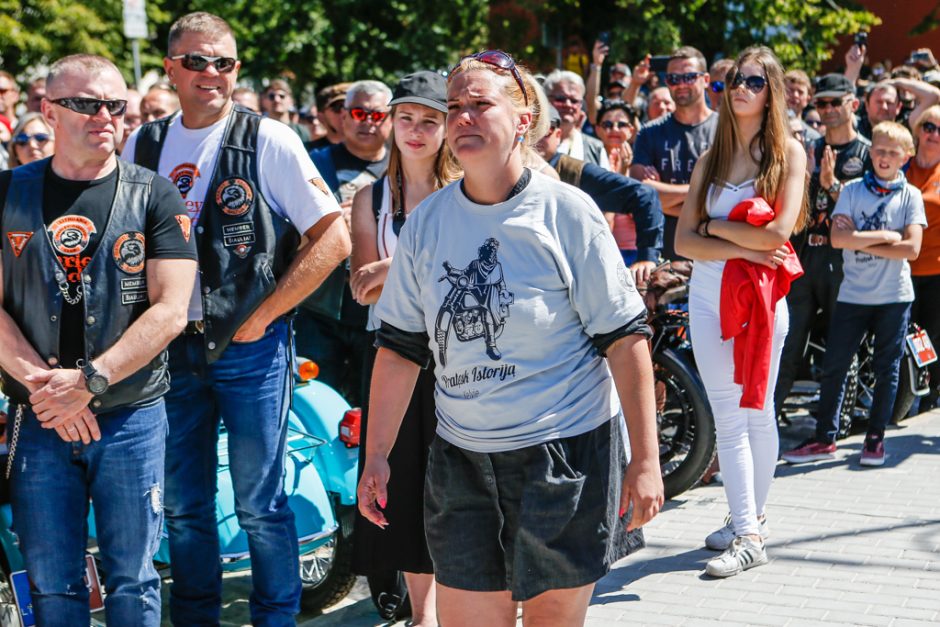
(423, 88)
(833, 86)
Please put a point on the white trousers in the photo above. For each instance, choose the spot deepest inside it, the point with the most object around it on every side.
(747, 438)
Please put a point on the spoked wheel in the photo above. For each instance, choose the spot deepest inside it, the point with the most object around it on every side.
(9, 613)
(326, 572)
(686, 425)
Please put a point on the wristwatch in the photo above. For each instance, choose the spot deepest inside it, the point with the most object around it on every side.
(835, 188)
(95, 382)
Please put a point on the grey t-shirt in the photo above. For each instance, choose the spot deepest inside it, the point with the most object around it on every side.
(510, 296)
(869, 279)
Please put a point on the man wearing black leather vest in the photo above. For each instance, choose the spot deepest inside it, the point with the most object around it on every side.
(251, 192)
(97, 267)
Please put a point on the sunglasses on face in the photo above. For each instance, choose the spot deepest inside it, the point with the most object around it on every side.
(566, 100)
(682, 79)
(814, 123)
(755, 84)
(336, 107)
(620, 124)
(361, 115)
(825, 104)
(930, 127)
(272, 96)
(91, 106)
(41, 138)
(199, 62)
(717, 86)
(498, 58)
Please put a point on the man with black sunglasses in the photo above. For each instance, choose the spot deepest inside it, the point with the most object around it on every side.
(331, 325)
(667, 149)
(277, 103)
(840, 156)
(252, 192)
(97, 268)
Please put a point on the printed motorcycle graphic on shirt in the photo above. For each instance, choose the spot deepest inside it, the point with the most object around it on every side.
(477, 304)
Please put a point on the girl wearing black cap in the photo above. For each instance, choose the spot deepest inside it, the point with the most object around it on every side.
(419, 163)
(511, 282)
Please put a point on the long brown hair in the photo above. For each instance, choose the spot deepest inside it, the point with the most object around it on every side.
(770, 141)
(446, 170)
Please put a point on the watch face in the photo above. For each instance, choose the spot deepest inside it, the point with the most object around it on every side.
(97, 384)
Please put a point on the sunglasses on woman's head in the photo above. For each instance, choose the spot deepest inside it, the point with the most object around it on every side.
(930, 127)
(682, 79)
(199, 62)
(41, 138)
(498, 58)
(361, 115)
(620, 124)
(755, 84)
(91, 106)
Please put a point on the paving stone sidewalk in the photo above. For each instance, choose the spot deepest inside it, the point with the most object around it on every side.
(848, 546)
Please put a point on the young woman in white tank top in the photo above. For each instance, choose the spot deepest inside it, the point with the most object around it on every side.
(753, 155)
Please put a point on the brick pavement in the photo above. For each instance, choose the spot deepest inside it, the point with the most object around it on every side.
(848, 546)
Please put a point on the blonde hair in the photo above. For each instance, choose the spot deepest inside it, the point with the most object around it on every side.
(21, 125)
(771, 139)
(537, 104)
(897, 133)
(446, 169)
(932, 112)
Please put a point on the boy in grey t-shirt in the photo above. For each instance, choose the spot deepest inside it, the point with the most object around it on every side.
(878, 223)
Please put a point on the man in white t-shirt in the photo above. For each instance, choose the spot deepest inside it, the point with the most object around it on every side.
(251, 191)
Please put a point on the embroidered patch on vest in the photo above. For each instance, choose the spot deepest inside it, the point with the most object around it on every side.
(184, 177)
(18, 240)
(234, 196)
(71, 234)
(853, 167)
(239, 237)
(128, 252)
(185, 226)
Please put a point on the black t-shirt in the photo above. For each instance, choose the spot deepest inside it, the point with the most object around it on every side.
(354, 173)
(76, 213)
(852, 160)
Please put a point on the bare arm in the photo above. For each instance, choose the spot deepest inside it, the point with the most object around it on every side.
(843, 234)
(925, 95)
(593, 86)
(641, 74)
(609, 216)
(632, 370)
(786, 209)
(368, 272)
(887, 244)
(393, 382)
(327, 245)
(671, 195)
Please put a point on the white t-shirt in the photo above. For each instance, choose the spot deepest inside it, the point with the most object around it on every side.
(285, 171)
(543, 272)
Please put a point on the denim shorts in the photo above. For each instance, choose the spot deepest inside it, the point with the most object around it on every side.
(540, 518)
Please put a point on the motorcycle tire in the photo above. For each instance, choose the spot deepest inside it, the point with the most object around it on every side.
(686, 424)
(904, 399)
(339, 579)
(390, 595)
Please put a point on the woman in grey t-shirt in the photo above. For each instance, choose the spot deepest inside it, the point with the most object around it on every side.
(512, 284)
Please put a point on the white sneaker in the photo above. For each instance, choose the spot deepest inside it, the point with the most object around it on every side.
(721, 539)
(744, 553)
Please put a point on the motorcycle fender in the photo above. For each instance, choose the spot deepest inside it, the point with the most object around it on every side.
(317, 409)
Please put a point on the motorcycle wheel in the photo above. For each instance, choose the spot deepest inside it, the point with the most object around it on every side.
(685, 421)
(390, 595)
(327, 573)
(904, 399)
(9, 613)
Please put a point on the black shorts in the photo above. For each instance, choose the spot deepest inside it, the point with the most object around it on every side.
(540, 518)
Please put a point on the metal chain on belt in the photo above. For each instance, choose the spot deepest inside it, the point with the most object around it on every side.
(14, 437)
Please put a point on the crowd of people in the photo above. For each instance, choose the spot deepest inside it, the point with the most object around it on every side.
(461, 252)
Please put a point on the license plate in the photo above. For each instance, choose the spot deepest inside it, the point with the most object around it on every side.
(24, 600)
(921, 348)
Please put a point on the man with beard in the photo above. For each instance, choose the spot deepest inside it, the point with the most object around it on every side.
(667, 149)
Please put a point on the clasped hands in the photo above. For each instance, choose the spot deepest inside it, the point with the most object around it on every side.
(60, 401)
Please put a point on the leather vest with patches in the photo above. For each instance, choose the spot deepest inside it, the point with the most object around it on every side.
(114, 283)
(244, 246)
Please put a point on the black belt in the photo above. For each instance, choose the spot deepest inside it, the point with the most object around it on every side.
(195, 327)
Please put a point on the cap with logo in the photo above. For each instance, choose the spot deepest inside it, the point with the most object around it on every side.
(424, 88)
(833, 86)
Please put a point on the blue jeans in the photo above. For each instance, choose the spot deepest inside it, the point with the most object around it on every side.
(248, 390)
(888, 324)
(122, 473)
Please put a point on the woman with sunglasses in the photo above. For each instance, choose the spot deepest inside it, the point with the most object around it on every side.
(617, 128)
(511, 282)
(754, 155)
(32, 140)
(924, 173)
(419, 163)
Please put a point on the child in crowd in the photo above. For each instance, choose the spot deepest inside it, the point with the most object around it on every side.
(878, 223)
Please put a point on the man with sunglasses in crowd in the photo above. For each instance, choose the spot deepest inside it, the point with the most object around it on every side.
(278, 104)
(666, 150)
(716, 86)
(331, 104)
(331, 325)
(97, 269)
(840, 156)
(565, 91)
(799, 90)
(251, 193)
